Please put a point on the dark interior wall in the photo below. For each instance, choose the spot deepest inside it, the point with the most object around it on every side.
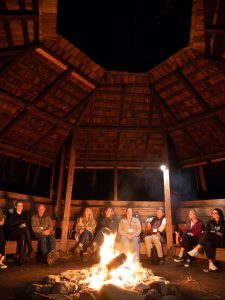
(133, 185)
(22, 177)
(215, 179)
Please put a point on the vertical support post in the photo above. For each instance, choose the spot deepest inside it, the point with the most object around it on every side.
(167, 197)
(57, 209)
(51, 194)
(116, 183)
(169, 228)
(69, 189)
(202, 179)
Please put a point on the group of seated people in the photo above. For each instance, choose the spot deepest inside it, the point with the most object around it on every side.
(90, 234)
(18, 227)
(208, 237)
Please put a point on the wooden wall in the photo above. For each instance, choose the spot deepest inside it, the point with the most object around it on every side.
(143, 208)
(203, 208)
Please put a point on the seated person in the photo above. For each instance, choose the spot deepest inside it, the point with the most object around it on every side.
(85, 228)
(192, 232)
(214, 237)
(17, 229)
(107, 224)
(2, 241)
(129, 231)
(43, 231)
(156, 227)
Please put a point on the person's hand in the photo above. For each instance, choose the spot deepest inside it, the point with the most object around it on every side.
(46, 232)
(219, 234)
(130, 236)
(2, 222)
(81, 231)
(23, 225)
(158, 234)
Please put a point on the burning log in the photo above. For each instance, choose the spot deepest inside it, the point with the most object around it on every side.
(116, 262)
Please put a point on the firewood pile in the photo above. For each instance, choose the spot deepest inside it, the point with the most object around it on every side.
(75, 285)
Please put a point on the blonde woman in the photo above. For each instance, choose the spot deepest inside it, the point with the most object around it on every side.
(85, 228)
(192, 232)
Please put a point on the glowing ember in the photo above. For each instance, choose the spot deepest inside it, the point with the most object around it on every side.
(129, 273)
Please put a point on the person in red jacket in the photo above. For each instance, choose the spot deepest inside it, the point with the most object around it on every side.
(192, 232)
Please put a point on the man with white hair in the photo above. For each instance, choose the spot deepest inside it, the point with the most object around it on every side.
(42, 227)
(156, 227)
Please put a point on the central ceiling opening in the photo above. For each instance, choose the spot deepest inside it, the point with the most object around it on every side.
(122, 36)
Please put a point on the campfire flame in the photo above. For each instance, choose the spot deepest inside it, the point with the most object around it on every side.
(124, 275)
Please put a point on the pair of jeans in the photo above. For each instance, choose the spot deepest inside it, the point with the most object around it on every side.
(99, 237)
(86, 238)
(210, 241)
(47, 242)
(131, 245)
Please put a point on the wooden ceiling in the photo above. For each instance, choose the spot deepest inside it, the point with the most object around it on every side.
(49, 87)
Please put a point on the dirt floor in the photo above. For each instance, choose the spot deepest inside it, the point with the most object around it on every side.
(192, 282)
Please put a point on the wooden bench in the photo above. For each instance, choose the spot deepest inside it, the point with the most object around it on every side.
(11, 247)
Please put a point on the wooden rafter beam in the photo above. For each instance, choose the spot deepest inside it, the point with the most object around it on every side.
(22, 6)
(215, 29)
(82, 106)
(197, 118)
(15, 50)
(120, 128)
(21, 151)
(31, 107)
(121, 164)
(24, 17)
(203, 158)
(51, 55)
(200, 99)
(53, 85)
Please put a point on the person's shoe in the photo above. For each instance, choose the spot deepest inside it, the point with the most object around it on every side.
(3, 266)
(187, 263)
(211, 268)
(193, 253)
(52, 257)
(77, 250)
(90, 250)
(161, 261)
(30, 253)
(179, 259)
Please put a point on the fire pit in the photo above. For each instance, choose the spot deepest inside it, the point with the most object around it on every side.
(117, 276)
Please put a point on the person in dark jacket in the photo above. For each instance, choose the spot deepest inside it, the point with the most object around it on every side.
(17, 229)
(2, 241)
(107, 224)
(213, 238)
(192, 232)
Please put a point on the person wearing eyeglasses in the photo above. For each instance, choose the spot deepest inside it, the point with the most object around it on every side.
(214, 237)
